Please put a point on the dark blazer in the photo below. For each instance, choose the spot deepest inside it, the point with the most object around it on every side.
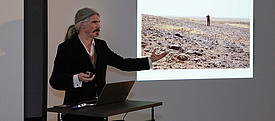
(72, 58)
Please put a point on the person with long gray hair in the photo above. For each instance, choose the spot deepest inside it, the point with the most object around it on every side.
(82, 55)
(81, 16)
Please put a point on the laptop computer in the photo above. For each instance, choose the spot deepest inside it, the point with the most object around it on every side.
(112, 93)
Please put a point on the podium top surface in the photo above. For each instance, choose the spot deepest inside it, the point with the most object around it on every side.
(109, 109)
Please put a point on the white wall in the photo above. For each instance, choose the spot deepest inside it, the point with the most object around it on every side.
(196, 100)
(11, 60)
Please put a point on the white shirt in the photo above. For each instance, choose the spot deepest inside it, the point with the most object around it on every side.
(76, 81)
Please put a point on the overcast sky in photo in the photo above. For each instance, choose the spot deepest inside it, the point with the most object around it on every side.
(197, 8)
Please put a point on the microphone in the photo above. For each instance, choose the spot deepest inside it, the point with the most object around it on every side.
(79, 106)
(82, 105)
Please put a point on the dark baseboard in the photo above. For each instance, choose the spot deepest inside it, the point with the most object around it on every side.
(33, 119)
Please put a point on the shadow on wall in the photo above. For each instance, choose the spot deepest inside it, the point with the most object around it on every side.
(11, 50)
(11, 69)
(11, 44)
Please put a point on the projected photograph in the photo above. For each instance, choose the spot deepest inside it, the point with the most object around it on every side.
(213, 35)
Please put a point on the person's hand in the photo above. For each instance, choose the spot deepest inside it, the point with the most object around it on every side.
(85, 77)
(155, 57)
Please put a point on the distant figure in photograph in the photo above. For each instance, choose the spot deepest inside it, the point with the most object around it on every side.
(208, 20)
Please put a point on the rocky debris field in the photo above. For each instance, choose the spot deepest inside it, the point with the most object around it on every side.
(225, 44)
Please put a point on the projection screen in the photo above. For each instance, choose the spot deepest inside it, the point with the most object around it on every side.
(206, 39)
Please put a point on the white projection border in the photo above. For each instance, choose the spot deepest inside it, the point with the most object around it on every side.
(191, 74)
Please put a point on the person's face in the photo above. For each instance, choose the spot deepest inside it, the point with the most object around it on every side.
(92, 27)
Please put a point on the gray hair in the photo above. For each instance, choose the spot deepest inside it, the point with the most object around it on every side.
(82, 15)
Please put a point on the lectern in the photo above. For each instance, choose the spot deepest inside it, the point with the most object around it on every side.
(109, 109)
